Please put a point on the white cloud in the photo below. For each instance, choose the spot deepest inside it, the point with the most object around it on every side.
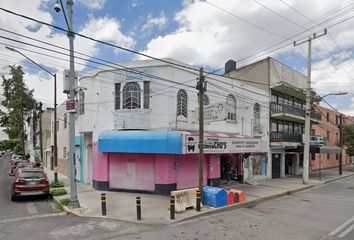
(93, 4)
(107, 29)
(151, 22)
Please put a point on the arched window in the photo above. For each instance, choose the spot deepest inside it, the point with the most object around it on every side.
(182, 100)
(256, 113)
(231, 107)
(206, 101)
(131, 96)
(81, 101)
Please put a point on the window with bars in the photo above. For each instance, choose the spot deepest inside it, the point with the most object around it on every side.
(257, 118)
(64, 152)
(65, 120)
(182, 101)
(117, 96)
(231, 107)
(131, 96)
(206, 100)
(81, 102)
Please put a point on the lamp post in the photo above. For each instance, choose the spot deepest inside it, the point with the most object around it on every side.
(71, 91)
(55, 110)
(340, 126)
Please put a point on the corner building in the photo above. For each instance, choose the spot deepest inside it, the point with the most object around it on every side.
(139, 128)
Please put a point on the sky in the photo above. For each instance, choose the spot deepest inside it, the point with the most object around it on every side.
(198, 32)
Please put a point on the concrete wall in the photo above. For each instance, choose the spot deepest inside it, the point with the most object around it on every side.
(100, 114)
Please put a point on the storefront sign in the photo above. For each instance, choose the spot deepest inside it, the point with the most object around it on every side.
(215, 112)
(221, 145)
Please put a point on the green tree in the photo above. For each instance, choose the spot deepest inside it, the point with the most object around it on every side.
(18, 102)
(348, 138)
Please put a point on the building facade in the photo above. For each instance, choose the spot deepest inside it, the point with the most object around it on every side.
(285, 88)
(138, 127)
(329, 130)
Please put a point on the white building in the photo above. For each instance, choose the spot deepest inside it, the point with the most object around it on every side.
(156, 96)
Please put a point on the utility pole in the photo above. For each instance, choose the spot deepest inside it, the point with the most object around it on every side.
(341, 144)
(40, 132)
(74, 202)
(55, 148)
(201, 87)
(306, 161)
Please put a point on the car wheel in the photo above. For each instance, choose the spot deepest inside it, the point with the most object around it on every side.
(13, 197)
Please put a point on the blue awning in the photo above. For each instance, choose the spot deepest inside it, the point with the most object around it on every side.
(161, 142)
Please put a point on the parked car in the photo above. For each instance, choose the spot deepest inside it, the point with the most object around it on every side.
(15, 157)
(23, 164)
(29, 181)
(13, 165)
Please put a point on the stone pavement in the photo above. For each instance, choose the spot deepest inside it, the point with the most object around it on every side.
(121, 205)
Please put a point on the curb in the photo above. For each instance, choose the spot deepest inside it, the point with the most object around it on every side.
(338, 178)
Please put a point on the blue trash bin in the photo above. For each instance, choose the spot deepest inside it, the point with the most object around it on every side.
(215, 197)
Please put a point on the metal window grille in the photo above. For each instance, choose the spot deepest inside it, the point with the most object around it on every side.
(182, 101)
(131, 96)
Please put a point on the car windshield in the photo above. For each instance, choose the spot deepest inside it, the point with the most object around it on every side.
(32, 175)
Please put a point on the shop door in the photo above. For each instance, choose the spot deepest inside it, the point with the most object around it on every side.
(132, 173)
(276, 165)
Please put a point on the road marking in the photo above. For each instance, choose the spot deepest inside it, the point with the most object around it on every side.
(341, 227)
(31, 217)
(31, 209)
(348, 230)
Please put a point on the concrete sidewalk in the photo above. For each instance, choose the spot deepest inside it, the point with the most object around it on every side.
(121, 205)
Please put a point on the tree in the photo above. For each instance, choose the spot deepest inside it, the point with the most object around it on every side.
(18, 102)
(348, 138)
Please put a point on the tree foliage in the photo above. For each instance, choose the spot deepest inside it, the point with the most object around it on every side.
(18, 102)
(348, 138)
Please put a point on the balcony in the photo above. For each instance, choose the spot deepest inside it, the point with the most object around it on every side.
(291, 113)
(285, 137)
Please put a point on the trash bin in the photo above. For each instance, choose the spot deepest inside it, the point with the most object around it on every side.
(215, 197)
(239, 196)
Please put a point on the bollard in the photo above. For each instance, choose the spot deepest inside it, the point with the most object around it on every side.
(172, 207)
(138, 208)
(198, 201)
(103, 204)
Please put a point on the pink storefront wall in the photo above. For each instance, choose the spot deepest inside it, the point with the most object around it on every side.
(100, 165)
(165, 169)
(213, 166)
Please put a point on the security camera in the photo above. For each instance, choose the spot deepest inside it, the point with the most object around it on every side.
(57, 7)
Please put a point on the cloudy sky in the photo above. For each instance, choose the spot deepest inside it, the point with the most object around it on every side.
(199, 32)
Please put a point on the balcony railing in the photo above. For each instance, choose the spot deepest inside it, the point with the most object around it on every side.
(285, 137)
(279, 108)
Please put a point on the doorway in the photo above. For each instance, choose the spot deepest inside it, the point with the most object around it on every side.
(276, 165)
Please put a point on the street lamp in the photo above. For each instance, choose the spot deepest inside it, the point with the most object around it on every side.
(55, 110)
(71, 91)
(340, 130)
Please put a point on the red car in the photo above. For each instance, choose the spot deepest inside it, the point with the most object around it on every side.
(14, 164)
(29, 181)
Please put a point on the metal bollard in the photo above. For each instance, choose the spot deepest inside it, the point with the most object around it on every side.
(103, 204)
(172, 207)
(138, 208)
(198, 201)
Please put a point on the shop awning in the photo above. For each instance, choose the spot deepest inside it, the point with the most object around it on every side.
(320, 149)
(161, 142)
(175, 142)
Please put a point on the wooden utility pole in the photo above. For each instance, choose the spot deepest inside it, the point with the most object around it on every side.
(201, 87)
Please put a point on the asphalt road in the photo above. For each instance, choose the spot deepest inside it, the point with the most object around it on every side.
(325, 213)
(322, 213)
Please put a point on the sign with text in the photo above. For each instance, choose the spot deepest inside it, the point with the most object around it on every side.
(215, 112)
(221, 145)
(71, 106)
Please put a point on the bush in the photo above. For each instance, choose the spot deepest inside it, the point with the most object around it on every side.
(57, 184)
(58, 192)
(64, 201)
